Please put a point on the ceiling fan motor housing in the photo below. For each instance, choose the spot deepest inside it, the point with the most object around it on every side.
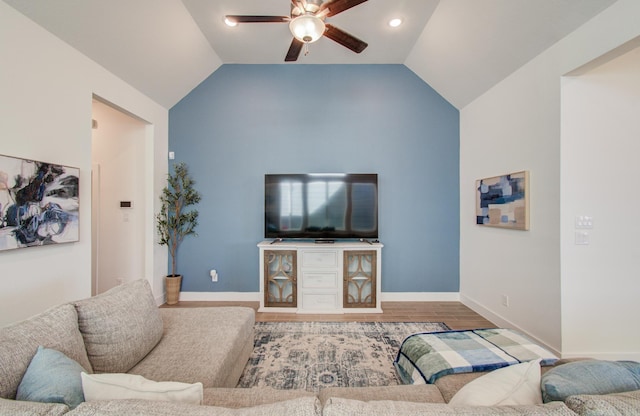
(309, 6)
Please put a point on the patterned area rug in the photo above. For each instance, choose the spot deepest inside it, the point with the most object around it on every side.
(313, 355)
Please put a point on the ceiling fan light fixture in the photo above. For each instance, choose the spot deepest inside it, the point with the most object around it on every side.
(230, 22)
(307, 28)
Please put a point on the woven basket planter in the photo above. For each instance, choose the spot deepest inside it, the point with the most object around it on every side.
(172, 284)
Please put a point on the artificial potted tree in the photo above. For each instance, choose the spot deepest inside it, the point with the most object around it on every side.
(176, 221)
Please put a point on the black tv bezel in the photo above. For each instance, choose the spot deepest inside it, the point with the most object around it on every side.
(323, 235)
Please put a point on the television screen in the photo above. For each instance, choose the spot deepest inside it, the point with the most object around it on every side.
(321, 206)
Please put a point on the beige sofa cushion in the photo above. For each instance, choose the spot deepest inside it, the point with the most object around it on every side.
(617, 404)
(304, 406)
(249, 397)
(450, 384)
(336, 406)
(419, 393)
(56, 328)
(18, 408)
(209, 345)
(119, 326)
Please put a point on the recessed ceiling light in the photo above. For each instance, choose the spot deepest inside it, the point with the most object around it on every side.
(230, 22)
(395, 22)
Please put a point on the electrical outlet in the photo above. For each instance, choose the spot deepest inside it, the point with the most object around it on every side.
(505, 301)
(214, 275)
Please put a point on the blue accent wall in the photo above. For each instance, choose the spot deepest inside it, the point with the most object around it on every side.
(247, 120)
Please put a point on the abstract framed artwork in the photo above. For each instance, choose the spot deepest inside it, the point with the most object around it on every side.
(503, 201)
(38, 203)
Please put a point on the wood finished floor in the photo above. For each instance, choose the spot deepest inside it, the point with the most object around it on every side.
(454, 314)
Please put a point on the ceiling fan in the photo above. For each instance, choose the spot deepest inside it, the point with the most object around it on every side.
(307, 24)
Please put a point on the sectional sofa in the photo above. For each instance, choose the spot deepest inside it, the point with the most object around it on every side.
(116, 337)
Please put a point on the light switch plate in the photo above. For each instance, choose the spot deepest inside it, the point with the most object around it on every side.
(582, 238)
(584, 222)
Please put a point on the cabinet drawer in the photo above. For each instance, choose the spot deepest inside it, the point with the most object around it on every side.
(320, 301)
(319, 280)
(319, 258)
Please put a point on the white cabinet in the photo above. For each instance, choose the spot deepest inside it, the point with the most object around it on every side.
(328, 278)
(319, 288)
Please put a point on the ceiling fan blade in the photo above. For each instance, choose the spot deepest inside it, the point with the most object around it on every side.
(337, 6)
(294, 50)
(345, 39)
(258, 19)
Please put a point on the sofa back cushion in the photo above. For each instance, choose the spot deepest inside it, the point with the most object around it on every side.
(18, 408)
(302, 406)
(119, 326)
(337, 406)
(417, 393)
(56, 328)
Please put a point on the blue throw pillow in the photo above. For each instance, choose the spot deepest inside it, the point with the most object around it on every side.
(52, 377)
(589, 377)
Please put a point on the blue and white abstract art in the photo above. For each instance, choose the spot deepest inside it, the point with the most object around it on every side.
(503, 201)
(38, 203)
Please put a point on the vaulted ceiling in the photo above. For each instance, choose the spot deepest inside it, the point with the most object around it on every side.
(165, 48)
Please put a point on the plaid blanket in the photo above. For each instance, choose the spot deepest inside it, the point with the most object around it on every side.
(423, 358)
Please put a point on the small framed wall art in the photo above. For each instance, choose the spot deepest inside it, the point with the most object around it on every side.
(503, 201)
(38, 203)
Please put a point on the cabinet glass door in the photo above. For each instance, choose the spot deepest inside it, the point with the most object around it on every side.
(359, 279)
(280, 278)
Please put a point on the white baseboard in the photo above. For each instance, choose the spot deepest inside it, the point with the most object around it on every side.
(502, 322)
(609, 356)
(160, 300)
(384, 297)
(420, 297)
(221, 296)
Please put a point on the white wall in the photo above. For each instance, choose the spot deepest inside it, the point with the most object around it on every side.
(516, 126)
(45, 114)
(600, 171)
(118, 149)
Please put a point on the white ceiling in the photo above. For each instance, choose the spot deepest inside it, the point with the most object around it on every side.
(165, 48)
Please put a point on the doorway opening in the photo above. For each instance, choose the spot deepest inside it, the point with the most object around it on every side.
(118, 197)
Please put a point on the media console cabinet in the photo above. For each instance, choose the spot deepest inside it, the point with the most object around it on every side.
(308, 277)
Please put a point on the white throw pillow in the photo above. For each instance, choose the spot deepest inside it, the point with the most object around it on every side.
(517, 384)
(115, 386)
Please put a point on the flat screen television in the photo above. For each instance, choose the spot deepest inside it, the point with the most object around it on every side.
(321, 206)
